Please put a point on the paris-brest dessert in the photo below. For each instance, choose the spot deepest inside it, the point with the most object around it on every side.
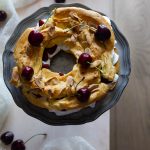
(85, 34)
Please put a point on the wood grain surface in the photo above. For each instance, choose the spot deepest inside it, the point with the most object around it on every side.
(130, 118)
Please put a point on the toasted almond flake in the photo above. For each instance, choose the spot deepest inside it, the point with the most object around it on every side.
(70, 81)
(52, 81)
(93, 86)
(96, 89)
(78, 53)
(73, 39)
(93, 29)
(28, 49)
(87, 50)
(95, 63)
(15, 75)
(88, 37)
(64, 20)
(51, 30)
(74, 15)
(39, 83)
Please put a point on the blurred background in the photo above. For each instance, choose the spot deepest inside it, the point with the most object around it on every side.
(124, 127)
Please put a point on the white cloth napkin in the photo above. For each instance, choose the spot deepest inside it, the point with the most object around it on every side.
(73, 143)
(6, 29)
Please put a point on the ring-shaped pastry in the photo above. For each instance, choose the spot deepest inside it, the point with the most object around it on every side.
(73, 30)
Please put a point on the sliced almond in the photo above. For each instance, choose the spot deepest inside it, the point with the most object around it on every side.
(70, 81)
(88, 37)
(95, 63)
(39, 83)
(93, 86)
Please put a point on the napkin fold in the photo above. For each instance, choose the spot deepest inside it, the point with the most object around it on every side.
(8, 26)
(6, 29)
(72, 143)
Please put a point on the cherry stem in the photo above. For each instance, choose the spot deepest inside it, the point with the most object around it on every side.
(45, 22)
(47, 19)
(97, 68)
(44, 134)
(76, 26)
(79, 82)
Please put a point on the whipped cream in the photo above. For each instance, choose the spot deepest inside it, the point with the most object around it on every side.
(107, 19)
(115, 57)
(63, 47)
(58, 49)
(116, 78)
(62, 113)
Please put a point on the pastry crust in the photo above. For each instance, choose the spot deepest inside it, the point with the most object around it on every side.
(73, 27)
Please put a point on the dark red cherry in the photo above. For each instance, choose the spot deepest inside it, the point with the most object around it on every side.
(85, 59)
(47, 66)
(83, 94)
(51, 50)
(60, 1)
(41, 22)
(3, 15)
(35, 38)
(61, 74)
(7, 137)
(102, 33)
(27, 73)
(18, 145)
(45, 55)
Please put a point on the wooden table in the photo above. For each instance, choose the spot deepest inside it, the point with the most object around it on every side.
(130, 118)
